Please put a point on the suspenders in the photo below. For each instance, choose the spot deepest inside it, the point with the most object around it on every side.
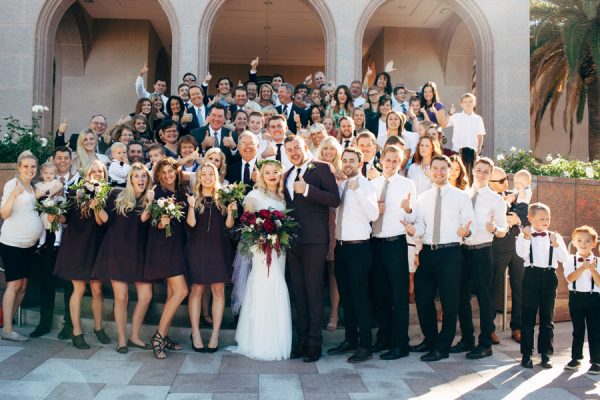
(550, 253)
(575, 281)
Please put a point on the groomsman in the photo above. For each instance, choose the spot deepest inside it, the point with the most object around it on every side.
(367, 143)
(478, 271)
(310, 191)
(353, 257)
(346, 131)
(444, 219)
(397, 197)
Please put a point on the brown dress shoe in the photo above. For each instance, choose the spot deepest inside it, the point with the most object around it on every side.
(516, 335)
(495, 338)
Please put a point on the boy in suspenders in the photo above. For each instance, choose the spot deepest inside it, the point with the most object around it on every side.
(541, 250)
(581, 271)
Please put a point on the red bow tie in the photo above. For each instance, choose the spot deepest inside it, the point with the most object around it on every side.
(581, 259)
(536, 234)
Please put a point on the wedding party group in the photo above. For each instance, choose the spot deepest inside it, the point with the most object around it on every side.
(292, 194)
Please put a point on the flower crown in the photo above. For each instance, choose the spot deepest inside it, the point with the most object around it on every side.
(262, 163)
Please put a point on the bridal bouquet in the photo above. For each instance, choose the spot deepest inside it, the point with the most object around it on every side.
(166, 206)
(88, 190)
(268, 230)
(234, 192)
(57, 205)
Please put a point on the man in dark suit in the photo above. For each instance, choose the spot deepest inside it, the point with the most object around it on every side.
(288, 109)
(240, 96)
(310, 191)
(97, 124)
(197, 108)
(215, 135)
(245, 169)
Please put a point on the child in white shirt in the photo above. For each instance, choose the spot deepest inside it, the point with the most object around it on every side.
(119, 165)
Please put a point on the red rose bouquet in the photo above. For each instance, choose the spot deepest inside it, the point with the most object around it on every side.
(268, 230)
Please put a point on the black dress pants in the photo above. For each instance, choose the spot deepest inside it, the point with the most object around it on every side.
(585, 313)
(352, 265)
(505, 256)
(539, 294)
(477, 279)
(390, 267)
(438, 269)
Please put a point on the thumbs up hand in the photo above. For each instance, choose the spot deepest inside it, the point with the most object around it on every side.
(300, 185)
(452, 110)
(150, 194)
(464, 231)
(144, 69)
(527, 233)
(18, 190)
(254, 64)
(62, 128)
(297, 119)
(228, 141)
(406, 204)
(186, 118)
(553, 240)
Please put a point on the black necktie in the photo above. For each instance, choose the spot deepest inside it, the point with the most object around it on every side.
(364, 169)
(285, 110)
(217, 139)
(298, 170)
(246, 173)
(346, 143)
(278, 156)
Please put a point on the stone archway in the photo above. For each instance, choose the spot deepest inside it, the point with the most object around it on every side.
(215, 7)
(49, 17)
(477, 23)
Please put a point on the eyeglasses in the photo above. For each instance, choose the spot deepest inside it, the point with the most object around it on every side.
(499, 180)
(374, 94)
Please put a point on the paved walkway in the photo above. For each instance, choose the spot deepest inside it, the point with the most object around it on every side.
(47, 368)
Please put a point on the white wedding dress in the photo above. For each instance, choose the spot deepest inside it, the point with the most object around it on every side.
(264, 330)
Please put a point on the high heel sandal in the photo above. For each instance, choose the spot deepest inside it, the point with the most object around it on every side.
(158, 346)
(171, 345)
(196, 349)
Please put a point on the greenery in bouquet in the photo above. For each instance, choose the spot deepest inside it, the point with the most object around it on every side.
(56, 205)
(166, 207)
(234, 192)
(87, 190)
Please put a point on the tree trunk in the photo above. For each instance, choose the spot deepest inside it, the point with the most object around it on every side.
(593, 102)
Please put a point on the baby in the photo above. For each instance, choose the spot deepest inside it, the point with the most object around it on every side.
(48, 187)
(119, 166)
(522, 181)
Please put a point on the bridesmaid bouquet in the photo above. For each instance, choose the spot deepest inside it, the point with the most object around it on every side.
(88, 190)
(166, 206)
(268, 230)
(57, 205)
(234, 192)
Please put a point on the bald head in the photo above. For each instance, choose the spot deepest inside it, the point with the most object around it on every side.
(498, 182)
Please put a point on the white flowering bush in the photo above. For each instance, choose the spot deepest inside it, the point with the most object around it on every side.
(553, 165)
(17, 137)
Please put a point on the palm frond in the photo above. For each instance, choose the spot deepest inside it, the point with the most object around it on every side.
(595, 44)
(590, 8)
(574, 39)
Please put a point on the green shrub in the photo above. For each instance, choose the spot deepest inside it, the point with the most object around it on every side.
(17, 137)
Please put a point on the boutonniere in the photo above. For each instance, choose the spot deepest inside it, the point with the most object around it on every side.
(310, 166)
(378, 166)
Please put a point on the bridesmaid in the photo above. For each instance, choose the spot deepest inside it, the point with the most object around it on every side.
(121, 255)
(207, 220)
(77, 254)
(164, 255)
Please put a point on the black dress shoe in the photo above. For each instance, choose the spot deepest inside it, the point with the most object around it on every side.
(394, 354)
(526, 362)
(380, 346)
(196, 349)
(546, 362)
(298, 351)
(479, 352)
(462, 347)
(433, 355)
(342, 348)
(420, 348)
(79, 342)
(361, 355)
(39, 331)
(312, 354)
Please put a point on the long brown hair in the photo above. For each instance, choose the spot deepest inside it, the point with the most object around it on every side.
(417, 159)
(462, 182)
(168, 161)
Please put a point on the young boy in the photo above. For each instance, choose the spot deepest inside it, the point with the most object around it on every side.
(467, 138)
(541, 251)
(522, 181)
(413, 115)
(581, 271)
(119, 166)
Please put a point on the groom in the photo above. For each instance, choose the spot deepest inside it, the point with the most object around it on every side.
(310, 190)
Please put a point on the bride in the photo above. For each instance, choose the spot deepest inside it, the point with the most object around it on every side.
(264, 330)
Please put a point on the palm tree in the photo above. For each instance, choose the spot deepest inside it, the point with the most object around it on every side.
(565, 54)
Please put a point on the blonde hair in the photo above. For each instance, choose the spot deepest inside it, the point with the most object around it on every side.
(83, 159)
(88, 170)
(24, 156)
(126, 200)
(586, 229)
(197, 191)
(117, 145)
(337, 161)
(262, 185)
(223, 169)
(523, 173)
(535, 207)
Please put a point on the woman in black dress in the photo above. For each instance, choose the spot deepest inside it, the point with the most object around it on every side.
(207, 220)
(77, 254)
(121, 255)
(164, 255)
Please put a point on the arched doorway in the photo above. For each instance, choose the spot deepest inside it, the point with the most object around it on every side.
(291, 37)
(80, 46)
(448, 42)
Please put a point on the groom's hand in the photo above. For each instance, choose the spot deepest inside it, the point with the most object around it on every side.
(300, 186)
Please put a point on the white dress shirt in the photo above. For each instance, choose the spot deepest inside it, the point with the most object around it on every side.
(410, 141)
(466, 129)
(118, 171)
(360, 209)
(285, 162)
(456, 212)
(294, 173)
(252, 163)
(487, 204)
(541, 250)
(398, 189)
(584, 282)
(142, 92)
(417, 175)
(527, 195)
(359, 101)
(200, 115)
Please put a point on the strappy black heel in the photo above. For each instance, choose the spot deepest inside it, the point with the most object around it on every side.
(171, 345)
(158, 343)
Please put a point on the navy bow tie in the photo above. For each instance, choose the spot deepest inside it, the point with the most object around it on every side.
(536, 234)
